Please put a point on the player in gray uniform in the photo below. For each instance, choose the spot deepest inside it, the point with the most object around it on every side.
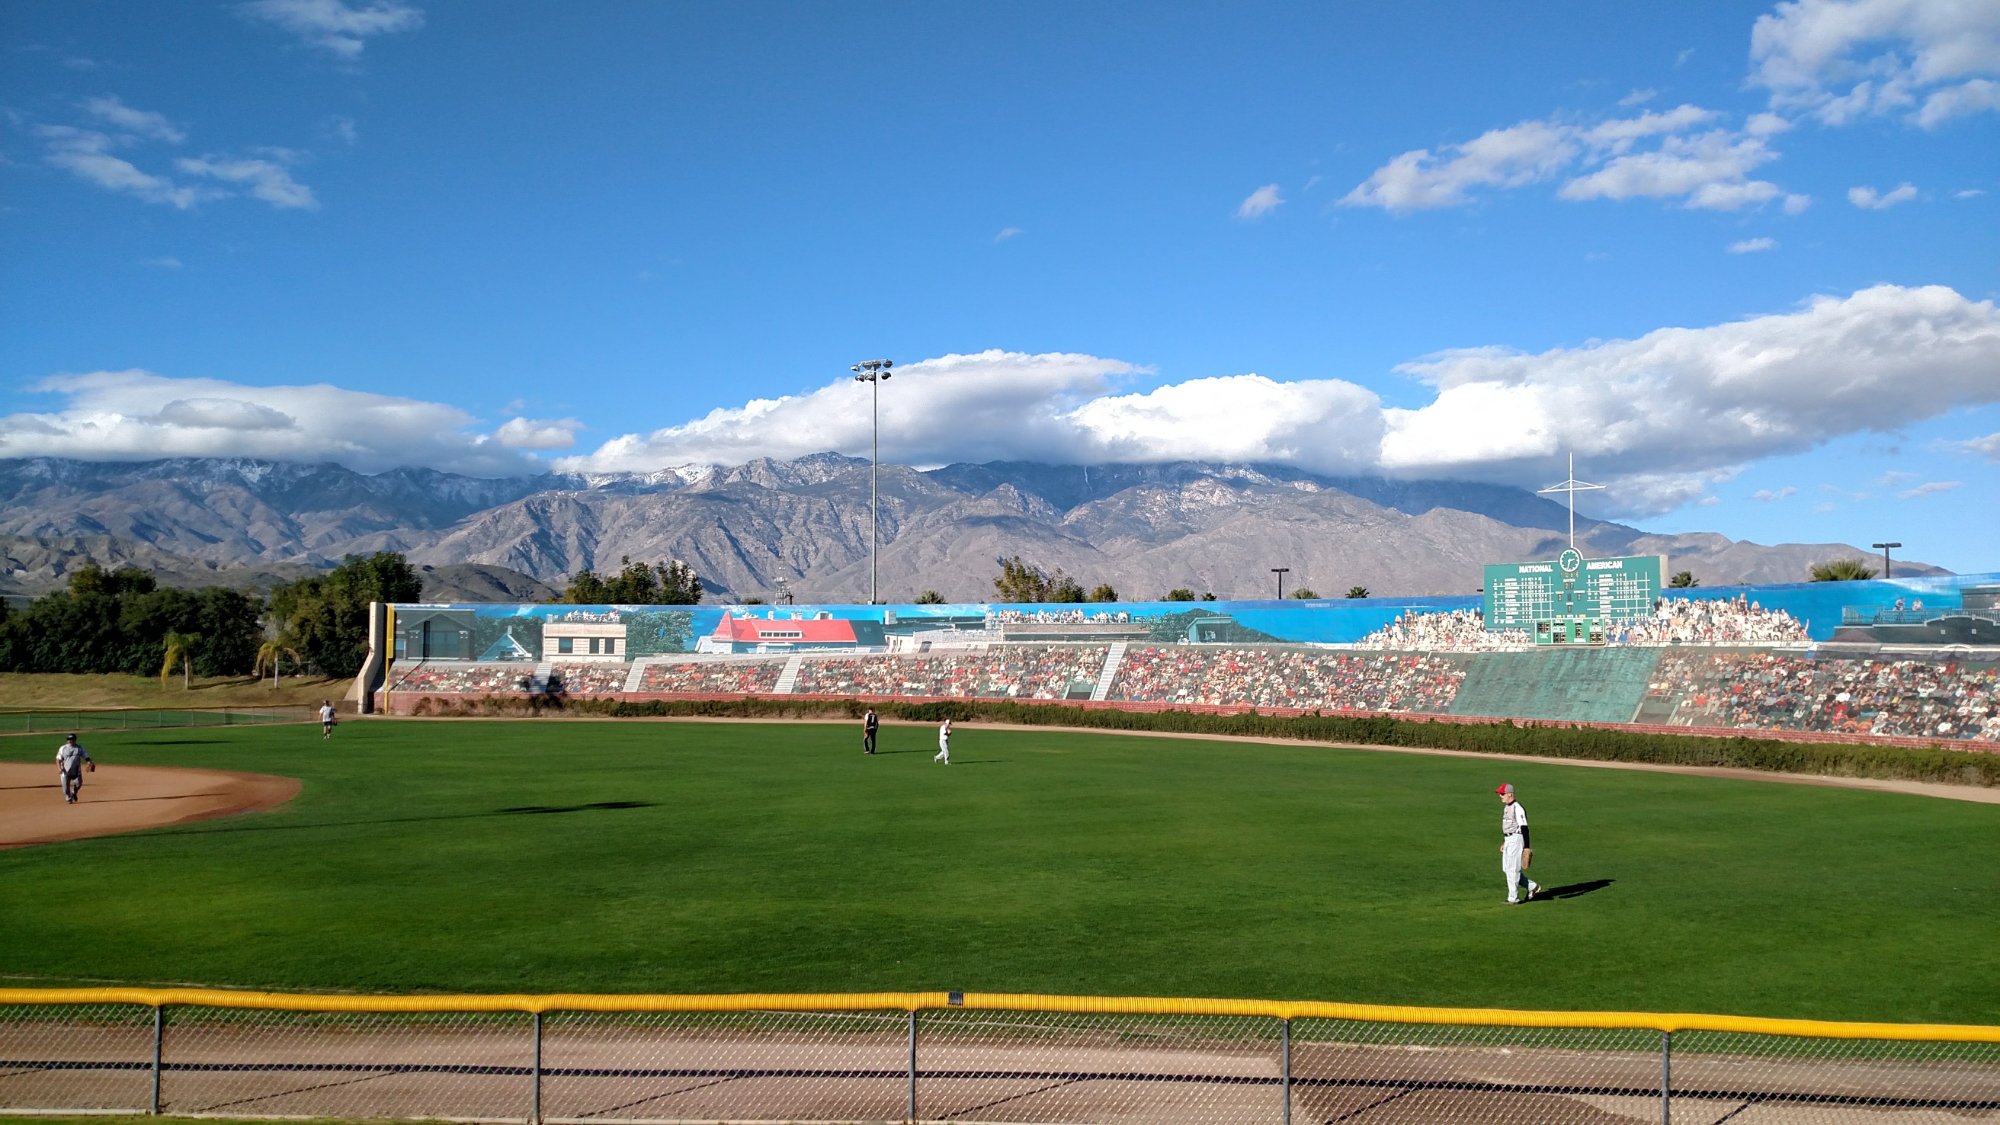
(1515, 850)
(71, 757)
(944, 743)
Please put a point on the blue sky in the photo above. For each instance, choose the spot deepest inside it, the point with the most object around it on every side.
(1741, 259)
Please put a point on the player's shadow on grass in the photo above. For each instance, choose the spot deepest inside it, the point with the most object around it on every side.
(1572, 890)
(594, 806)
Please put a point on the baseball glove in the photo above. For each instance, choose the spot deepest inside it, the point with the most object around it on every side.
(91, 766)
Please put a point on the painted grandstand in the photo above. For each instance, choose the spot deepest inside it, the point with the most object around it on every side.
(1762, 660)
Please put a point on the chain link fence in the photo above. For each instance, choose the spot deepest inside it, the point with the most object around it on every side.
(36, 721)
(936, 1057)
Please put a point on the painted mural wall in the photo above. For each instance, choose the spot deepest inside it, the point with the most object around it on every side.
(1961, 609)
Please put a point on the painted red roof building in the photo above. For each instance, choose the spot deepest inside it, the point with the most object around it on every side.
(777, 634)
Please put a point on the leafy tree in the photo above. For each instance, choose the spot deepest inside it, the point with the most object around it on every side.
(754, 601)
(1209, 596)
(585, 588)
(1178, 594)
(679, 584)
(1103, 593)
(1023, 581)
(1683, 579)
(329, 613)
(117, 621)
(1065, 589)
(93, 579)
(1304, 594)
(1357, 591)
(1842, 570)
(929, 597)
(669, 583)
(179, 651)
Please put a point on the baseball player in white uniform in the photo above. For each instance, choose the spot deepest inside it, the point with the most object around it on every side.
(944, 743)
(1515, 850)
(71, 757)
(326, 719)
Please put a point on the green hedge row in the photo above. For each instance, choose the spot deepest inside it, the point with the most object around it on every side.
(1903, 763)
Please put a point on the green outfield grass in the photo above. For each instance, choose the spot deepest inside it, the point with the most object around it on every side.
(692, 857)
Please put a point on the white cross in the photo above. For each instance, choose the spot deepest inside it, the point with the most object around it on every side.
(1571, 486)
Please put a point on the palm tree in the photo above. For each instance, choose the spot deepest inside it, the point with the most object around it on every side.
(1357, 591)
(1305, 594)
(179, 650)
(272, 651)
(1683, 579)
(1842, 570)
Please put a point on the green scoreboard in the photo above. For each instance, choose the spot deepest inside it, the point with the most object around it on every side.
(1570, 599)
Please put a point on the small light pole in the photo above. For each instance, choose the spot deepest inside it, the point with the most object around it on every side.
(1884, 548)
(873, 372)
(1281, 571)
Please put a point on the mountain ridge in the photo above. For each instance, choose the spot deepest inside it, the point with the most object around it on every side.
(803, 526)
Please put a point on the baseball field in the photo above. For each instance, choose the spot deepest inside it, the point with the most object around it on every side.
(560, 856)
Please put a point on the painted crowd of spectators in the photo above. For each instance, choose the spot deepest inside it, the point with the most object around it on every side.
(1455, 630)
(999, 672)
(1711, 621)
(593, 678)
(1309, 678)
(466, 679)
(1772, 691)
(713, 677)
(1056, 617)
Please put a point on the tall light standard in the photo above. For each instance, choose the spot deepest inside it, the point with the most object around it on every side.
(1281, 571)
(1884, 547)
(873, 372)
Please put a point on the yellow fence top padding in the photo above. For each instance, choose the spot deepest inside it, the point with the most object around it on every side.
(998, 1001)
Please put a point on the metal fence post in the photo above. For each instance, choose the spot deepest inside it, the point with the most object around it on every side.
(159, 1031)
(535, 1103)
(911, 1111)
(1666, 1078)
(1285, 1064)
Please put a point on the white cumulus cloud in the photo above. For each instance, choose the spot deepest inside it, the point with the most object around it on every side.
(1693, 399)
(1260, 203)
(86, 154)
(1841, 60)
(1753, 245)
(523, 433)
(1767, 495)
(1681, 153)
(336, 26)
(142, 122)
(267, 180)
(136, 415)
(1868, 199)
(1930, 488)
(1661, 418)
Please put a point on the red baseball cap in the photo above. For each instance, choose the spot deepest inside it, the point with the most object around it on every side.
(1505, 789)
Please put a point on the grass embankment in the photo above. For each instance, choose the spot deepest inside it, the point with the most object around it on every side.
(609, 857)
(61, 692)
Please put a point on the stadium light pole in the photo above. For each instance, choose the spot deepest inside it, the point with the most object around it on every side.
(873, 372)
(1885, 555)
(1281, 571)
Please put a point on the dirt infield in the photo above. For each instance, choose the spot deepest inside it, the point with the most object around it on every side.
(124, 798)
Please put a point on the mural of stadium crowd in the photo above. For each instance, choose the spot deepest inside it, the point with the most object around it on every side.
(1912, 658)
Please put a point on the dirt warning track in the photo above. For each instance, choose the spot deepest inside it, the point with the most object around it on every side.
(125, 798)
